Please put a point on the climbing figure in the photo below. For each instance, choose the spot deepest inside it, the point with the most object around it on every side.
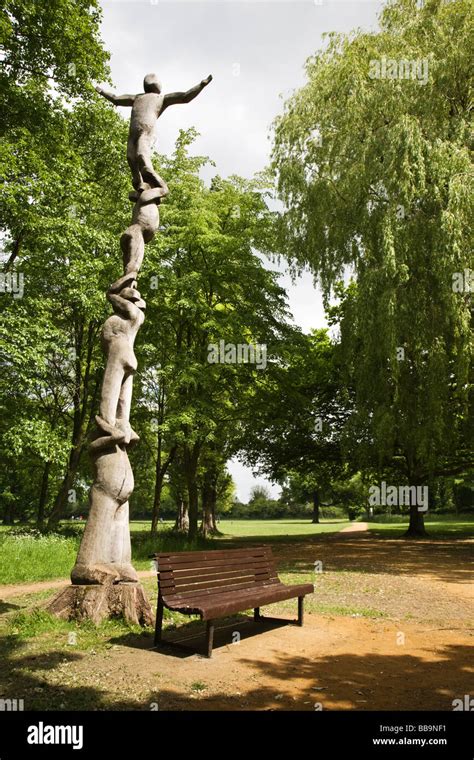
(147, 107)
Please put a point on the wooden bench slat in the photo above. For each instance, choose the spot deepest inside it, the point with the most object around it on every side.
(242, 599)
(209, 573)
(267, 595)
(247, 551)
(205, 593)
(202, 563)
(196, 568)
(211, 569)
(215, 576)
(215, 584)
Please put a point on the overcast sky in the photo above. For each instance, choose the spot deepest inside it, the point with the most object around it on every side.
(255, 50)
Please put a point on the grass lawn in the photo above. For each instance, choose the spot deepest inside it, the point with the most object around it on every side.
(277, 530)
(442, 526)
(35, 558)
(29, 558)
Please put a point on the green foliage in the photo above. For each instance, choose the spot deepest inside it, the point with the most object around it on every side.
(52, 40)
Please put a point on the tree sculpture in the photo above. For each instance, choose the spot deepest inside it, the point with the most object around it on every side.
(104, 582)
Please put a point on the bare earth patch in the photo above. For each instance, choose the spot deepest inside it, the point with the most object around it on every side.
(333, 663)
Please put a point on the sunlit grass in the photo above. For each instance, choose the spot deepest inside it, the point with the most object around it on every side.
(27, 556)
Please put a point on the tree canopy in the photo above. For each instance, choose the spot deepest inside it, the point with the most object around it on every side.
(375, 169)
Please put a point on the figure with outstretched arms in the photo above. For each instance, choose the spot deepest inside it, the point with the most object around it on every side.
(147, 107)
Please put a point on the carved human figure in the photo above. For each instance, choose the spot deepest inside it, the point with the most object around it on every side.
(105, 552)
(118, 338)
(147, 107)
(145, 222)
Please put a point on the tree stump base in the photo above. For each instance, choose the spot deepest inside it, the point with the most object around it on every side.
(99, 602)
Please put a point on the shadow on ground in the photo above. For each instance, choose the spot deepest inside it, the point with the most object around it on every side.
(447, 560)
(284, 681)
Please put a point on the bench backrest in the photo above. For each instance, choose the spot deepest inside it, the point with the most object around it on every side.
(189, 574)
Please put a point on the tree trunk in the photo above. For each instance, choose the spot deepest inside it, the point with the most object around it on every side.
(416, 527)
(193, 496)
(191, 457)
(182, 515)
(159, 475)
(215, 529)
(43, 496)
(160, 472)
(209, 501)
(315, 506)
(60, 502)
(207, 526)
(98, 602)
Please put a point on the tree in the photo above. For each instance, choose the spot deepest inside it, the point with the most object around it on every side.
(217, 488)
(376, 174)
(207, 287)
(307, 487)
(49, 336)
(50, 52)
(292, 426)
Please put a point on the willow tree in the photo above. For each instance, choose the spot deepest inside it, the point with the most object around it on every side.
(373, 162)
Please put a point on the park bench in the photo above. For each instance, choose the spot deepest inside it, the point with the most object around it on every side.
(216, 584)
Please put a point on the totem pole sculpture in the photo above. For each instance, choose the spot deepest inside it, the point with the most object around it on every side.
(104, 582)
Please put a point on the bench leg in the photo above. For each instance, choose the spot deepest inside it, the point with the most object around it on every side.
(209, 637)
(256, 615)
(159, 620)
(300, 610)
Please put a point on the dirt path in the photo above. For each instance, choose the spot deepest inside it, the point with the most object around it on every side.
(359, 527)
(32, 588)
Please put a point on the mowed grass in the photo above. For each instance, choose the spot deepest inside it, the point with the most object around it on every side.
(277, 530)
(437, 527)
(29, 557)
